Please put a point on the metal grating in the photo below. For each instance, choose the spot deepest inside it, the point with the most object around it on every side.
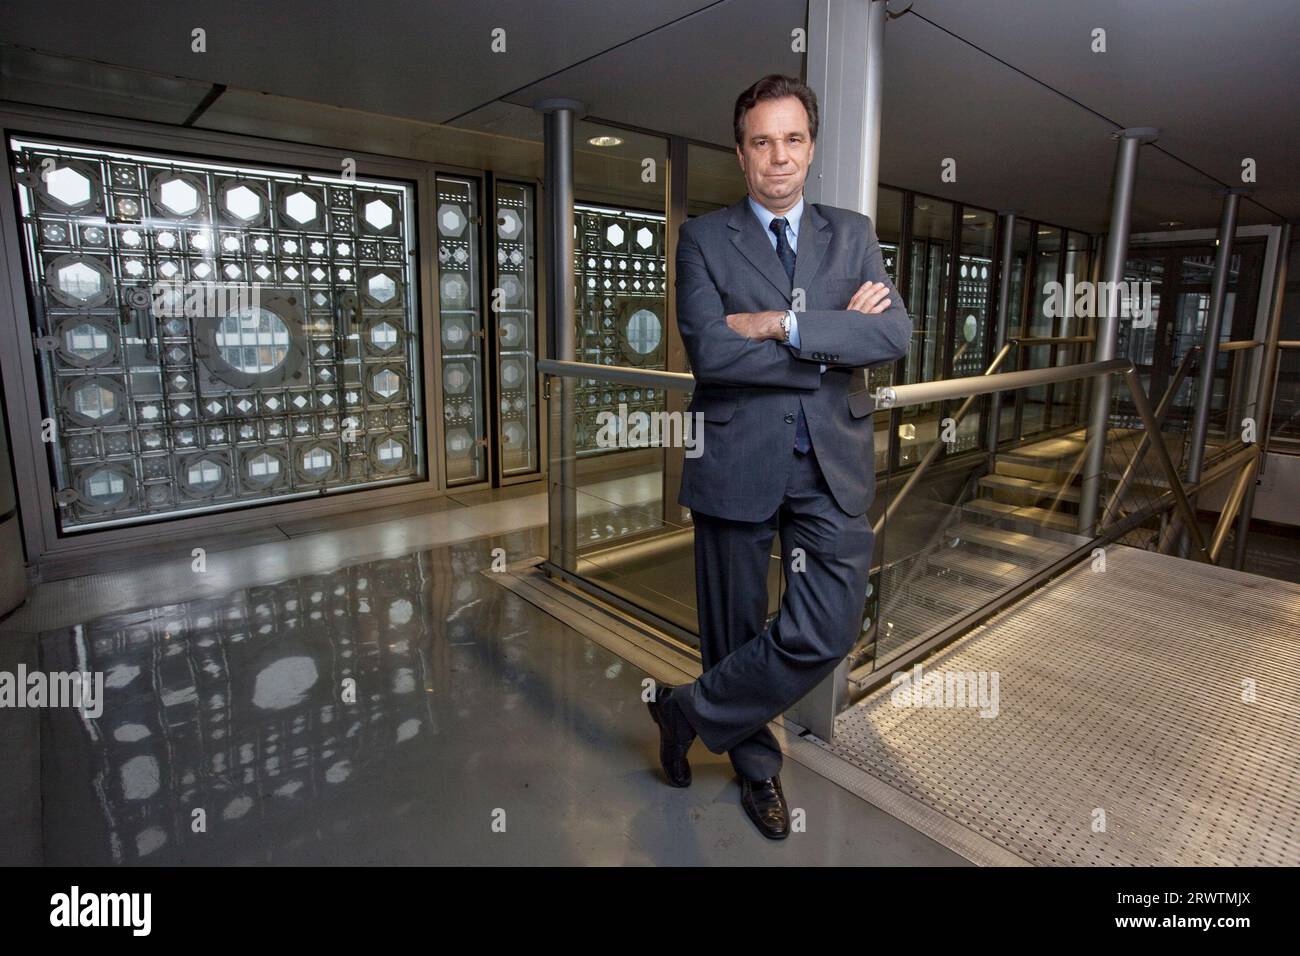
(1119, 692)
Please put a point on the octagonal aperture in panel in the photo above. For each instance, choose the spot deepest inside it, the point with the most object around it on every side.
(87, 342)
(379, 214)
(94, 400)
(179, 195)
(79, 281)
(381, 288)
(302, 207)
(456, 378)
(105, 486)
(455, 290)
(67, 186)
(388, 452)
(243, 202)
(451, 220)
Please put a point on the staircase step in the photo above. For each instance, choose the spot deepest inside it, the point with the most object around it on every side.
(1028, 488)
(1051, 449)
(949, 590)
(1010, 542)
(981, 568)
(1026, 468)
(1028, 514)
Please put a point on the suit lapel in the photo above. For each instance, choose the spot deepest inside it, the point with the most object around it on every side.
(814, 237)
(748, 237)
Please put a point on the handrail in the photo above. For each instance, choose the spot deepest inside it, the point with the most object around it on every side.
(1238, 344)
(923, 392)
(896, 396)
(920, 393)
(1030, 341)
(680, 381)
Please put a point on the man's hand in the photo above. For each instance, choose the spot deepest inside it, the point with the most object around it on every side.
(870, 298)
(757, 325)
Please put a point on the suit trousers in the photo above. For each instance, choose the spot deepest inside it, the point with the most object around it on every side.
(752, 673)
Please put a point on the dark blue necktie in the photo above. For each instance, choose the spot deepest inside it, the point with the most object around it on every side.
(802, 440)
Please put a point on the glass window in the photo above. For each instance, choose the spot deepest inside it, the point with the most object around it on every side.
(974, 316)
(931, 262)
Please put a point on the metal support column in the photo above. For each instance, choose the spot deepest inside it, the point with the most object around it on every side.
(1210, 346)
(561, 334)
(1007, 259)
(846, 45)
(1264, 395)
(845, 69)
(1121, 207)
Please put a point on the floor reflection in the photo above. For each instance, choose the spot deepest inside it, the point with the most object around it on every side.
(237, 726)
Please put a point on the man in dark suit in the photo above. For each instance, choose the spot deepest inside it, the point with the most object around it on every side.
(780, 303)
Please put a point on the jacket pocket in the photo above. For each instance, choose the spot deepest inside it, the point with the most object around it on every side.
(714, 408)
(861, 403)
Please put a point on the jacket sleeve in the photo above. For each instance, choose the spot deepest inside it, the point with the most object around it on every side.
(847, 337)
(720, 356)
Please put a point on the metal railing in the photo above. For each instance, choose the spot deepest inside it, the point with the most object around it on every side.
(969, 388)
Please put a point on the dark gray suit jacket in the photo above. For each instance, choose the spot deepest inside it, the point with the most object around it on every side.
(749, 391)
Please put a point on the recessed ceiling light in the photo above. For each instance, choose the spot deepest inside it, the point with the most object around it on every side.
(606, 141)
(1170, 223)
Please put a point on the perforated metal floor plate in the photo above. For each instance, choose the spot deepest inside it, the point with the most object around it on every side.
(1145, 715)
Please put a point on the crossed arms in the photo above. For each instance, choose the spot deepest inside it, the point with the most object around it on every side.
(745, 349)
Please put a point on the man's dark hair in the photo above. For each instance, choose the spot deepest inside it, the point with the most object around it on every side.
(774, 86)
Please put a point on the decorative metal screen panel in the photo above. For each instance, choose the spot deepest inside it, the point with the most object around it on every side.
(515, 310)
(461, 329)
(211, 335)
(970, 349)
(621, 298)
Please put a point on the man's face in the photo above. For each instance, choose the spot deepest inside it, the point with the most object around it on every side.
(776, 151)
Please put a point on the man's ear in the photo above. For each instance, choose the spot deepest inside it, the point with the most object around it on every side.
(740, 157)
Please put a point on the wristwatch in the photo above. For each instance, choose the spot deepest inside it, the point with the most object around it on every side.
(785, 326)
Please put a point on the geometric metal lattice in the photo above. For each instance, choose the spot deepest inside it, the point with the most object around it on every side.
(212, 335)
(621, 310)
(974, 280)
(461, 329)
(516, 329)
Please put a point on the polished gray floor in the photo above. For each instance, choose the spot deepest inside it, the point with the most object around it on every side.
(482, 730)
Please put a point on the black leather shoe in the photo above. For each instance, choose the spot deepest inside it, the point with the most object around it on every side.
(764, 803)
(675, 737)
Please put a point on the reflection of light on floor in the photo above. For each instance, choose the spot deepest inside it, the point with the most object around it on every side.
(285, 683)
